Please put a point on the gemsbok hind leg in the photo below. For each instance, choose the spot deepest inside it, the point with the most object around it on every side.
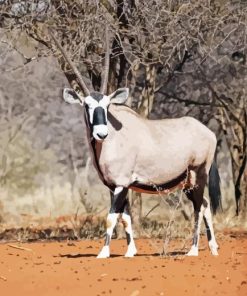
(126, 219)
(196, 196)
(207, 217)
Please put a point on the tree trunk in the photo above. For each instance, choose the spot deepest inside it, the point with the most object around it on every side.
(240, 182)
(234, 125)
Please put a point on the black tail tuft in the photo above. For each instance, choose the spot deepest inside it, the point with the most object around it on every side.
(214, 188)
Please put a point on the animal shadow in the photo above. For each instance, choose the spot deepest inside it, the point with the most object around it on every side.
(169, 254)
(74, 256)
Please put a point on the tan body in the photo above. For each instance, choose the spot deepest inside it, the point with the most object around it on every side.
(158, 154)
(145, 155)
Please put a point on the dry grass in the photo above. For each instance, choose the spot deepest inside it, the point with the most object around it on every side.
(166, 222)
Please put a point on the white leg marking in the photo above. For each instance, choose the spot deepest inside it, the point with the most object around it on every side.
(198, 221)
(131, 251)
(111, 223)
(211, 237)
(192, 178)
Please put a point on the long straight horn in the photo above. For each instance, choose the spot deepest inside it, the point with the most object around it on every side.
(105, 73)
(73, 67)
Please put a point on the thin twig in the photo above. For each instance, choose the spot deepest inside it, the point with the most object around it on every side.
(153, 208)
(20, 248)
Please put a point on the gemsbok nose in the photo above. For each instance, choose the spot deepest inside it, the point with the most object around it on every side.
(100, 132)
(102, 136)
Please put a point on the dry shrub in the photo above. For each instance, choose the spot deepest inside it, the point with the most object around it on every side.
(22, 165)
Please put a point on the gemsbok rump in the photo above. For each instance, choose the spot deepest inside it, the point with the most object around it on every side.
(129, 151)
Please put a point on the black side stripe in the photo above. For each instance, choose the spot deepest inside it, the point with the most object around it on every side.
(160, 187)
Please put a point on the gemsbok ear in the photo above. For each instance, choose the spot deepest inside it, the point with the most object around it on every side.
(70, 96)
(119, 96)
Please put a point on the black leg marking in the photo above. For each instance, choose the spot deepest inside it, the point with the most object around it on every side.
(205, 203)
(107, 240)
(196, 196)
(127, 206)
(118, 204)
(128, 237)
(195, 237)
(209, 235)
(118, 201)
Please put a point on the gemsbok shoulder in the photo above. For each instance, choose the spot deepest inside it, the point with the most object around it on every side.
(129, 151)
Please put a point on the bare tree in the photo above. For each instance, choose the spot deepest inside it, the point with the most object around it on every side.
(191, 55)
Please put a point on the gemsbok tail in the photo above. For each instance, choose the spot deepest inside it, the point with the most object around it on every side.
(214, 188)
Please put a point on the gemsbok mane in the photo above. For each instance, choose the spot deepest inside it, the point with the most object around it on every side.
(129, 151)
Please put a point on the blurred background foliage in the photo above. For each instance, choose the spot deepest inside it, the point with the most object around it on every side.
(177, 57)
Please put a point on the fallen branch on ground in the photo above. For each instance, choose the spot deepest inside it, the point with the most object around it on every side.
(20, 248)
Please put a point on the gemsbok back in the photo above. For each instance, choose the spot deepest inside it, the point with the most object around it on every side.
(129, 151)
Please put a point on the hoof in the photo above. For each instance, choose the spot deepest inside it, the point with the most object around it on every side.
(131, 252)
(104, 253)
(193, 251)
(214, 249)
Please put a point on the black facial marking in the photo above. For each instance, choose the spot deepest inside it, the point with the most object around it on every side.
(99, 116)
(86, 109)
(87, 121)
(97, 96)
(114, 122)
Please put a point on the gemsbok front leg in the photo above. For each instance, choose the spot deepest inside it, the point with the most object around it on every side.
(118, 203)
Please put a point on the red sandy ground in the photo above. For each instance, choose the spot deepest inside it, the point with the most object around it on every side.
(61, 268)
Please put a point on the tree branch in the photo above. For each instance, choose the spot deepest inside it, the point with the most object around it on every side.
(188, 102)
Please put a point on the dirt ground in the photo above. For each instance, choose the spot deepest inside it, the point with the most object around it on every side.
(71, 268)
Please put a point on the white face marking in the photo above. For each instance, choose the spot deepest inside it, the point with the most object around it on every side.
(100, 131)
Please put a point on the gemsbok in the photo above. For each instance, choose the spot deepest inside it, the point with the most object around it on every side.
(145, 155)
